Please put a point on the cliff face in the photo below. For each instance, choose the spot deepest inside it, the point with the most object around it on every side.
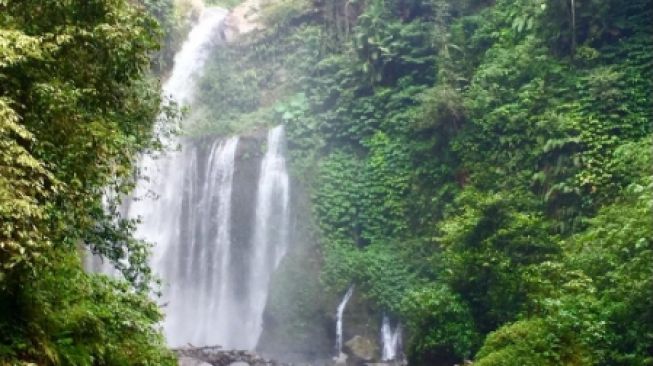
(299, 323)
(247, 165)
(242, 19)
(296, 322)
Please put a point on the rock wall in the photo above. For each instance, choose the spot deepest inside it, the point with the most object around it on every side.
(296, 324)
(300, 317)
(248, 157)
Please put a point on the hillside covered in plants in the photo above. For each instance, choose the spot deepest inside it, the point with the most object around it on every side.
(479, 169)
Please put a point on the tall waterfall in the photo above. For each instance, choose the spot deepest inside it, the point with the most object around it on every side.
(190, 224)
(339, 313)
(390, 339)
(214, 251)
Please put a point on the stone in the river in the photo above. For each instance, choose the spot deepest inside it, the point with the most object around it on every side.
(189, 361)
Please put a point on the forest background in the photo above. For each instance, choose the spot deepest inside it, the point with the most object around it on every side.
(480, 169)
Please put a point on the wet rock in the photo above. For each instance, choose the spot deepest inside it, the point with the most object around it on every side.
(360, 318)
(189, 361)
(242, 19)
(361, 349)
(215, 356)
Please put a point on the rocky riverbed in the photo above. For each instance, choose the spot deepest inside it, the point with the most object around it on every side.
(216, 356)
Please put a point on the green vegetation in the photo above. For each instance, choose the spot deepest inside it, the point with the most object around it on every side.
(76, 106)
(227, 4)
(479, 169)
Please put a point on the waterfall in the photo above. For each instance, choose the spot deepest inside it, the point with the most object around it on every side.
(193, 55)
(157, 199)
(190, 224)
(213, 296)
(213, 250)
(390, 339)
(341, 310)
(184, 204)
(271, 229)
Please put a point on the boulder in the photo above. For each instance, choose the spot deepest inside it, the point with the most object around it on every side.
(216, 356)
(189, 361)
(340, 360)
(361, 349)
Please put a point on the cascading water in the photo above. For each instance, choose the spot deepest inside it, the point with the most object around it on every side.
(341, 310)
(191, 254)
(271, 230)
(193, 54)
(215, 274)
(192, 187)
(390, 340)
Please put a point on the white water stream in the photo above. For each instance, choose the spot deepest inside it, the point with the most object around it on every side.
(271, 229)
(214, 287)
(390, 340)
(339, 313)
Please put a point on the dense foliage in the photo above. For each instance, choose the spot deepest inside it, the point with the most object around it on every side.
(479, 169)
(76, 105)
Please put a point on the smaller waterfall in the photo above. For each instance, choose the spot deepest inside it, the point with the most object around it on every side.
(96, 263)
(390, 339)
(341, 310)
(270, 240)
